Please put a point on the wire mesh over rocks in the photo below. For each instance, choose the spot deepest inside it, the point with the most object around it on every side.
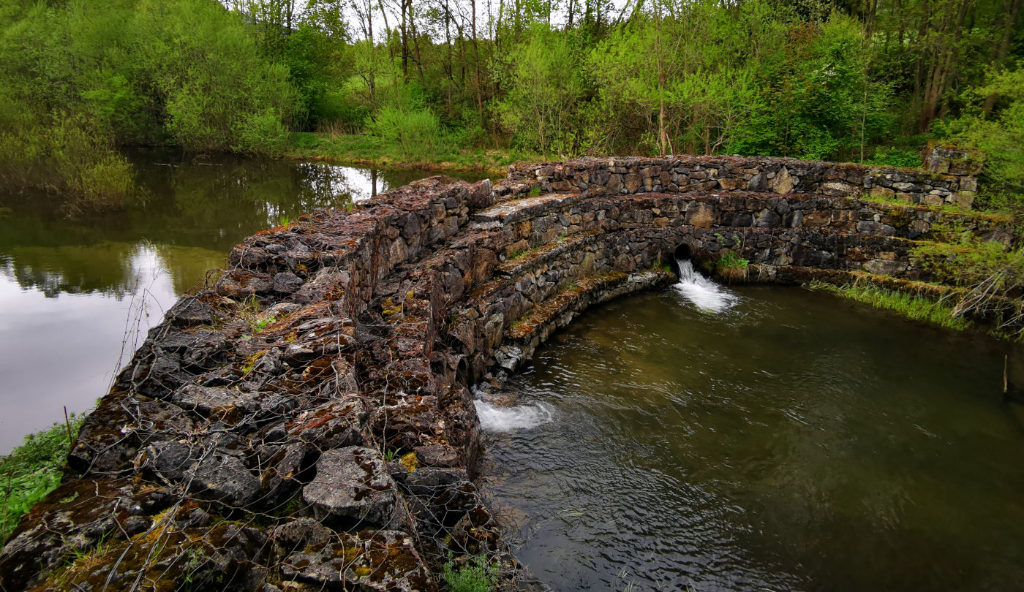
(305, 421)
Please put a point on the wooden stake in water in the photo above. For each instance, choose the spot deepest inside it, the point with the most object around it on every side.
(67, 424)
(1005, 385)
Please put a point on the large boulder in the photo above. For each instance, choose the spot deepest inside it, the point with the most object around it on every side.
(352, 483)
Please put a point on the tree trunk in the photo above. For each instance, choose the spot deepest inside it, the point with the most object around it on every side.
(1013, 9)
(941, 69)
(405, 42)
(416, 45)
(476, 59)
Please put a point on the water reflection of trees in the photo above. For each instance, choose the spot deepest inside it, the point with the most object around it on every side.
(190, 210)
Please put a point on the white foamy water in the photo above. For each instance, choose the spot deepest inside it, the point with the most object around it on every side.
(702, 292)
(506, 419)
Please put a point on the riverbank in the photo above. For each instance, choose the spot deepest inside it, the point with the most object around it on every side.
(364, 150)
(33, 470)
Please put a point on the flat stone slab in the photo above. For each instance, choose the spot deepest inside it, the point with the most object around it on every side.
(354, 483)
(513, 210)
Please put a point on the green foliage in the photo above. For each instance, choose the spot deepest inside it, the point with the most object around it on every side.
(731, 260)
(816, 99)
(261, 324)
(544, 91)
(912, 306)
(415, 132)
(685, 82)
(475, 576)
(999, 135)
(81, 78)
(731, 267)
(218, 92)
(33, 470)
(895, 157)
(66, 156)
(971, 262)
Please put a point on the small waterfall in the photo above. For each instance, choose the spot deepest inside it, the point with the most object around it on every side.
(702, 292)
(505, 419)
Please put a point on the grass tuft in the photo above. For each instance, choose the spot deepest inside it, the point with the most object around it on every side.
(911, 306)
(33, 470)
(731, 267)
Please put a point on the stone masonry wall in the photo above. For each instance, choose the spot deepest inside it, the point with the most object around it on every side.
(674, 174)
(306, 421)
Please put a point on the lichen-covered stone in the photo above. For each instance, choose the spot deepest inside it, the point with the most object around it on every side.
(378, 560)
(352, 483)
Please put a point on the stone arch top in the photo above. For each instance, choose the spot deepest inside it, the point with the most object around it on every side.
(681, 174)
(248, 446)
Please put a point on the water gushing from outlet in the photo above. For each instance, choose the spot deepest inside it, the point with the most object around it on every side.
(702, 292)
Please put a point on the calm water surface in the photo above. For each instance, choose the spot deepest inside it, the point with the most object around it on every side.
(73, 289)
(791, 441)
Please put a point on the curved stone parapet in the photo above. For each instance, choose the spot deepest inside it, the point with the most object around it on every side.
(305, 422)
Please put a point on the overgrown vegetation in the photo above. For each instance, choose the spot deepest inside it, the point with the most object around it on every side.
(909, 305)
(731, 267)
(991, 274)
(476, 575)
(466, 82)
(33, 470)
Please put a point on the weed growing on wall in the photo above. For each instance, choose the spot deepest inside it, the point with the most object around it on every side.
(475, 576)
(731, 267)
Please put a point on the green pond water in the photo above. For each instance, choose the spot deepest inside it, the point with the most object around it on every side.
(72, 290)
(788, 441)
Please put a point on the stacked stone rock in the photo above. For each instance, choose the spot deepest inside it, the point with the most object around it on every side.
(683, 174)
(306, 422)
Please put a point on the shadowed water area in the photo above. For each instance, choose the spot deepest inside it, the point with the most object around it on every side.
(762, 439)
(73, 289)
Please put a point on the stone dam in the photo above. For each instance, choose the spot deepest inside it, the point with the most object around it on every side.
(306, 421)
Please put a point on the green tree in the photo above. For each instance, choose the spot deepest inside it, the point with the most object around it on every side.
(544, 88)
(1000, 134)
(816, 99)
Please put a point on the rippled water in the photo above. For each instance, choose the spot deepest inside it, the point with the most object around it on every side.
(791, 442)
(72, 290)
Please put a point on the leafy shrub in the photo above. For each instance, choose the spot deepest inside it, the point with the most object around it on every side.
(414, 132)
(971, 262)
(895, 157)
(69, 157)
(999, 135)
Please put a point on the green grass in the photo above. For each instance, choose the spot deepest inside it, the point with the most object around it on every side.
(361, 149)
(908, 305)
(33, 470)
(731, 267)
(475, 576)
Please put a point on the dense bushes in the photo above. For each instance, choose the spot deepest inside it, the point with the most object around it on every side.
(79, 78)
(1000, 135)
(747, 78)
(82, 77)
